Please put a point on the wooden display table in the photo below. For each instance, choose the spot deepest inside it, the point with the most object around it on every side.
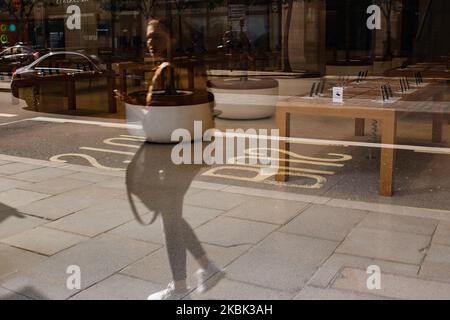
(428, 71)
(362, 101)
(68, 81)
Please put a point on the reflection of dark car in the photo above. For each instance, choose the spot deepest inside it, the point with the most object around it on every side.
(54, 63)
(16, 57)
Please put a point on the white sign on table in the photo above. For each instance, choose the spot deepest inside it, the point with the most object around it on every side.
(338, 95)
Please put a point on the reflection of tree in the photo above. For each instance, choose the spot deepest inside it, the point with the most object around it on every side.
(21, 10)
(387, 7)
(287, 31)
(181, 5)
(114, 7)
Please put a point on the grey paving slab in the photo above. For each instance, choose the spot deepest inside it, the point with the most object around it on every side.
(44, 240)
(55, 186)
(195, 216)
(227, 231)
(268, 210)
(7, 183)
(156, 268)
(69, 202)
(92, 170)
(16, 198)
(41, 163)
(98, 259)
(191, 191)
(385, 245)
(2, 162)
(325, 222)
(399, 223)
(312, 293)
(393, 286)
(119, 287)
(442, 234)
(330, 269)
(282, 261)
(216, 200)
(227, 289)
(42, 174)
(12, 222)
(91, 177)
(208, 185)
(10, 295)
(391, 209)
(96, 219)
(115, 183)
(281, 195)
(14, 260)
(437, 263)
(14, 168)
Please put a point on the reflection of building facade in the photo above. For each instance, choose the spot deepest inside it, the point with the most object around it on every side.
(318, 31)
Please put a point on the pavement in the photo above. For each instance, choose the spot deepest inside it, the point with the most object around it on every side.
(64, 206)
(273, 244)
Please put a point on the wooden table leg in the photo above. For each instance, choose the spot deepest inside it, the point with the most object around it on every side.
(111, 86)
(191, 78)
(359, 127)
(389, 128)
(123, 81)
(283, 123)
(438, 121)
(71, 94)
(36, 97)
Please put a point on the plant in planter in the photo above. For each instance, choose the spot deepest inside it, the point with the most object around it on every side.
(242, 97)
(165, 107)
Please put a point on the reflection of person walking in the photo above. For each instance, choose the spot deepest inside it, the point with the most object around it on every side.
(161, 186)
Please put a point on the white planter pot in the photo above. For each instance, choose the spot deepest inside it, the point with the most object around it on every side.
(245, 100)
(157, 123)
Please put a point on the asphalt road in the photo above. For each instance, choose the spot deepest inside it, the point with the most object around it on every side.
(44, 136)
(421, 179)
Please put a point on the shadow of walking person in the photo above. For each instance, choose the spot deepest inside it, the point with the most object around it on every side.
(161, 185)
(7, 216)
(24, 294)
(8, 212)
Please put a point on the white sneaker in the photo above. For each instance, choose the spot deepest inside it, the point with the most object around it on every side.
(169, 294)
(212, 272)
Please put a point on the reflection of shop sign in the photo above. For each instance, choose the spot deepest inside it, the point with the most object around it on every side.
(3, 39)
(65, 2)
(74, 18)
(236, 12)
(4, 29)
(374, 20)
(73, 10)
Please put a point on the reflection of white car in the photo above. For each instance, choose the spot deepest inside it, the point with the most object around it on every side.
(16, 57)
(57, 63)
(52, 65)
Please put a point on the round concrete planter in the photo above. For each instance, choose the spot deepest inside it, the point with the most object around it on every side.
(167, 113)
(244, 99)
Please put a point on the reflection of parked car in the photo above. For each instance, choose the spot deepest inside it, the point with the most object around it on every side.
(55, 63)
(16, 57)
